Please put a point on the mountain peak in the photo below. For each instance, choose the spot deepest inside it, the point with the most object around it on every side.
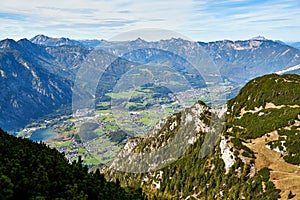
(8, 43)
(139, 40)
(51, 41)
(24, 41)
(259, 37)
(39, 38)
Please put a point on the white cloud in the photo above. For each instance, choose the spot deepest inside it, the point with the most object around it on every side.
(200, 20)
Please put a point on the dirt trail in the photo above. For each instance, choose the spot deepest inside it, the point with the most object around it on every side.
(285, 176)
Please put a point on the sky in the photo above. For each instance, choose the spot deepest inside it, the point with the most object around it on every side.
(202, 20)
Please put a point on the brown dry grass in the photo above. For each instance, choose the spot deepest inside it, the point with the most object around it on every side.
(285, 176)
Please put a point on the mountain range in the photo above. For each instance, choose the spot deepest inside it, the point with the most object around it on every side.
(40, 72)
(243, 59)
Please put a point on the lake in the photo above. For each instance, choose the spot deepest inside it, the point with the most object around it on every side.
(43, 134)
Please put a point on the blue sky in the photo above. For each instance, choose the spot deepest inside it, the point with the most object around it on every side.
(203, 20)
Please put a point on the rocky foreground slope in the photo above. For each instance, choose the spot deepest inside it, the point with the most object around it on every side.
(256, 154)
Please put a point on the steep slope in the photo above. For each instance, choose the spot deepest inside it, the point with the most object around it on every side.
(28, 88)
(34, 171)
(69, 59)
(36, 80)
(255, 157)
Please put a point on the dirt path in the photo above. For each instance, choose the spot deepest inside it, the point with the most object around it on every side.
(285, 176)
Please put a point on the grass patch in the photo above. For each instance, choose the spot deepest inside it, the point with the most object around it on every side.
(62, 144)
(110, 128)
(103, 111)
(93, 161)
(148, 121)
(124, 94)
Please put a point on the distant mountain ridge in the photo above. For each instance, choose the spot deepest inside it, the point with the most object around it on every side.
(49, 41)
(241, 61)
(294, 44)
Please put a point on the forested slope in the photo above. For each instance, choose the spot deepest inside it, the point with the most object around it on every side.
(34, 171)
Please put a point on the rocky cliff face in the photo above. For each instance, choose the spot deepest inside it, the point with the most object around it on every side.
(166, 142)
